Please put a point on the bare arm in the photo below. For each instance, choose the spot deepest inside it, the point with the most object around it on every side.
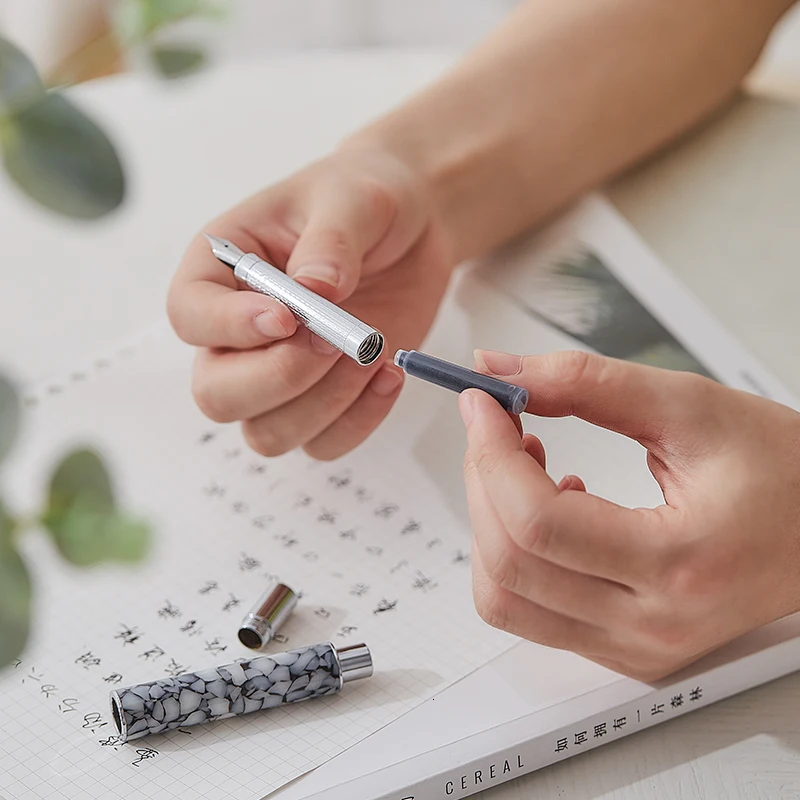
(564, 95)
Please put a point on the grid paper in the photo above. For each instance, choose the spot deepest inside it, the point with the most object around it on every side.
(368, 541)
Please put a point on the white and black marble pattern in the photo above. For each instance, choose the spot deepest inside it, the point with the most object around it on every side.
(227, 691)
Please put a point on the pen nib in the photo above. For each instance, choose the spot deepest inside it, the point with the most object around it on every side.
(225, 251)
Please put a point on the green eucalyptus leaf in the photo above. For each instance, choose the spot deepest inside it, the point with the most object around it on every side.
(82, 519)
(15, 595)
(9, 416)
(59, 157)
(20, 83)
(174, 61)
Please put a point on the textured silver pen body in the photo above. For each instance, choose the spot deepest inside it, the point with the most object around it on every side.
(331, 323)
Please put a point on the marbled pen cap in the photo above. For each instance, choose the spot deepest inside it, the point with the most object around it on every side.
(266, 617)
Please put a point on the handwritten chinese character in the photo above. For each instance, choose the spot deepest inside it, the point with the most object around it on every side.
(322, 612)
(580, 738)
(231, 452)
(114, 677)
(67, 704)
(111, 741)
(206, 438)
(47, 689)
(362, 495)
(386, 510)
(88, 660)
(303, 501)
(32, 676)
(153, 653)
(214, 489)
(287, 540)
(695, 694)
(215, 647)
(174, 668)
(211, 586)
(412, 526)
(239, 507)
(385, 605)
(246, 563)
(423, 582)
(168, 611)
(144, 754)
(127, 634)
(433, 543)
(460, 558)
(676, 701)
(93, 722)
(346, 630)
(374, 550)
(350, 533)
(340, 481)
(658, 708)
(359, 589)
(600, 730)
(263, 522)
(257, 469)
(327, 516)
(561, 745)
(399, 565)
(619, 723)
(311, 557)
(232, 602)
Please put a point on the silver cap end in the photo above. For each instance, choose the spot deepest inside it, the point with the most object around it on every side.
(225, 251)
(270, 612)
(355, 662)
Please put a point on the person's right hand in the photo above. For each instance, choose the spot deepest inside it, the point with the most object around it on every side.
(358, 228)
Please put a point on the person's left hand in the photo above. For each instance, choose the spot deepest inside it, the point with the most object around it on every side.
(641, 591)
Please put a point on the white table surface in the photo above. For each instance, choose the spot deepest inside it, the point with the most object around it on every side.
(722, 210)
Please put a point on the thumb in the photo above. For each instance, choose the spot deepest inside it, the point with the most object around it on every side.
(340, 230)
(653, 406)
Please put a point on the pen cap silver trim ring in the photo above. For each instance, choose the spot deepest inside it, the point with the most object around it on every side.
(267, 615)
(355, 662)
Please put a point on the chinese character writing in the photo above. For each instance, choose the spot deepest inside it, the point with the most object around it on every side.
(168, 611)
(246, 563)
(114, 677)
(433, 543)
(658, 708)
(327, 516)
(600, 730)
(210, 586)
(67, 704)
(47, 689)
(287, 540)
(340, 481)
(676, 701)
(174, 668)
(423, 582)
(310, 556)
(257, 469)
(206, 438)
(263, 522)
(323, 612)
(580, 738)
(412, 526)
(386, 510)
(152, 653)
(385, 605)
(362, 495)
(374, 550)
(232, 602)
(350, 533)
(239, 507)
(359, 589)
(191, 628)
(695, 694)
(460, 558)
(214, 489)
(127, 634)
(399, 565)
(561, 745)
(144, 754)
(93, 722)
(111, 741)
(88, 660)
(33, 676)
(215, 646)
(303, 501)
(619, 723)
(346, 630)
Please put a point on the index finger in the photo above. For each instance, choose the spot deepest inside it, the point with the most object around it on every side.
(578, 531)
(208, 307)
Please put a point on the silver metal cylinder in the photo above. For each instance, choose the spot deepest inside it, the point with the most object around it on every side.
(331, 323)
(267, 615)
(355, 662)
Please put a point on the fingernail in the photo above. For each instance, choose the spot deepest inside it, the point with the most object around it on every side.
(466, 405)
(386, 382)
(498, 363)
(326, 273)
(322, 346)
(269, 325)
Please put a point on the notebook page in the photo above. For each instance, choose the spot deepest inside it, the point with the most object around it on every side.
(376, 551)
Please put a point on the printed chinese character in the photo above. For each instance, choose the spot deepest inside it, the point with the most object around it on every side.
(412, 526)
(580, 738)
(232, 602)
(385, 605)
(658, 708)
(114, 677)
(128, 635)
(239, 507)
(561, 745)
(695, 694)
(386, 510)
(174, 668)
(214, 489)
(88, 660)
(619, 723)
(350, 533)
(168, 611)
(47, 689)
(359, 589)
(246, 563)
(461, 558)
(263, 522)
(153, 653)
(677, 701)
(215, 647)
(211, 586)
(600, 730)
(327, 516)
(346, 630)
(322, 612)
(143, 754)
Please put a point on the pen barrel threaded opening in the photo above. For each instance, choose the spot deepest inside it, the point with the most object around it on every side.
(333, 324)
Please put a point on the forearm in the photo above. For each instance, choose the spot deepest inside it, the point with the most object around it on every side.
(564, 95)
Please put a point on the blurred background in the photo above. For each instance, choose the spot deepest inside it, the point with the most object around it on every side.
(51, 31)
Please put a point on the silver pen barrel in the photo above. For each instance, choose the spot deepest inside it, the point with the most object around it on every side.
(342, 330)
